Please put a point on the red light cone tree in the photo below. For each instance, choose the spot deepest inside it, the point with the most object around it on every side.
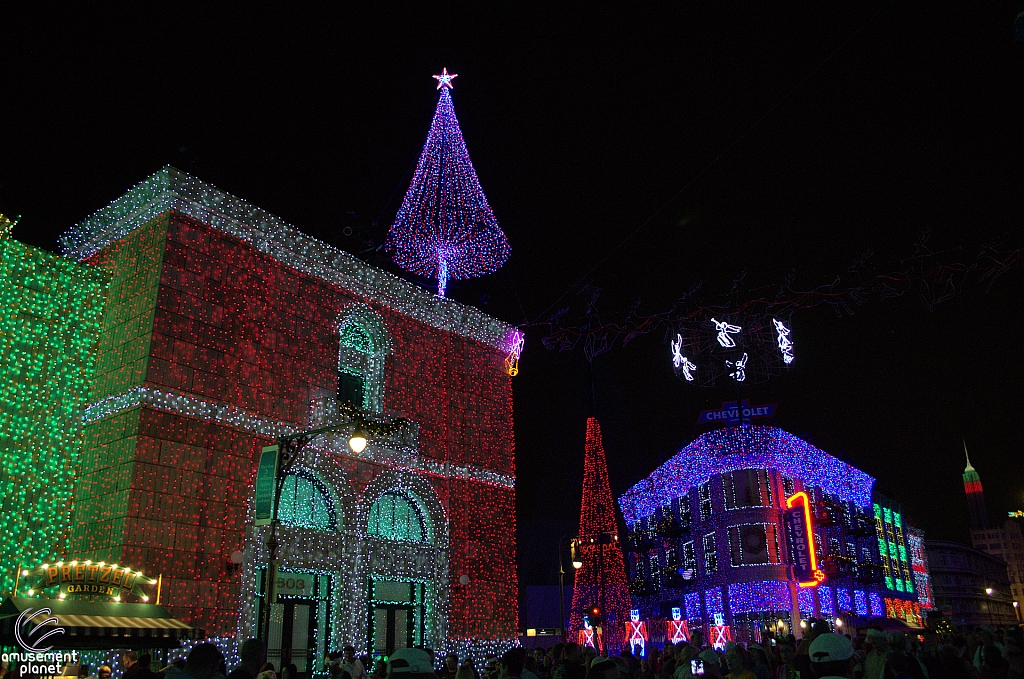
(601, 581)
(445, 228)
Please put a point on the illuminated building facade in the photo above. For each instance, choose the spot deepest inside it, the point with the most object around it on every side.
(50, 312)
(226, 328)
(708, 535)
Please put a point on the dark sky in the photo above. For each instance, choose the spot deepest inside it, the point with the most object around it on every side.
(799, 140)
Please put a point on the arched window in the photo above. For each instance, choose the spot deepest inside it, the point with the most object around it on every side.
(363, 342)
(396, 517)
(356, 348)
(305, 504)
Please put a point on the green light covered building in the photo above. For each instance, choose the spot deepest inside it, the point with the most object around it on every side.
(50, 313)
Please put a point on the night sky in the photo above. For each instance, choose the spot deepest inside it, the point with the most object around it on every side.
(762, 141)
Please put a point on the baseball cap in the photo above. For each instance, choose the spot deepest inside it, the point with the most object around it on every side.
(876, 634)
(710, 657)
(830, 647)
(418, 659)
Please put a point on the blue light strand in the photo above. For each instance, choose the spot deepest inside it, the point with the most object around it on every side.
(861, 599)
(805, 595)
(445, 228)
(713, 601)
(692, 601)
(767, 595)
(825, 597)
(877, 605)
(843, 601)
(750, 447)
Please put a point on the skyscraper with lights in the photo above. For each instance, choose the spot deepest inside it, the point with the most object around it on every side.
(975, 495)
(1004, 542)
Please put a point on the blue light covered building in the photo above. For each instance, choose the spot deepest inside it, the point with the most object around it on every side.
(707, 535)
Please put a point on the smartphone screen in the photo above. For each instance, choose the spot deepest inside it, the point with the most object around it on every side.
(773, 642)
(697, 667)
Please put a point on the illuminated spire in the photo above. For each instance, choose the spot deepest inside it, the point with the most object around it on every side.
(975, 495)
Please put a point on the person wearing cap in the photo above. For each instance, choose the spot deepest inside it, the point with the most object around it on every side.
(603, 668)
(831, 656)
(874, 663)
(712, 663)
(410, 663)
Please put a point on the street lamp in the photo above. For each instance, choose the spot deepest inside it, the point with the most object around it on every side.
(289, 448)
(577, 563)
(357, 442)
(989, 591)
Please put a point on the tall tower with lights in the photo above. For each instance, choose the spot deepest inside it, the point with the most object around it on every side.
(601, 581)
(975, 495)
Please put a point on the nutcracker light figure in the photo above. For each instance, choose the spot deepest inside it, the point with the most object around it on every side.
(636, 633)
(677, 628)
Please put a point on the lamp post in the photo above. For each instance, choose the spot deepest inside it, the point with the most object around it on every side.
(289, 448)
(577, 563)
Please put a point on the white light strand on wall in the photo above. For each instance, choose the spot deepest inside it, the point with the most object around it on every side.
(171, 189)
(393, 452)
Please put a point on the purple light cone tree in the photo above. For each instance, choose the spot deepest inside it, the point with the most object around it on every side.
(445, 228)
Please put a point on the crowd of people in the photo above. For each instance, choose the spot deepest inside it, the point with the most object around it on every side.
(984, 653)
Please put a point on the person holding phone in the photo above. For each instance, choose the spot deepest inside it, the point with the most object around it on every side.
(711, 664)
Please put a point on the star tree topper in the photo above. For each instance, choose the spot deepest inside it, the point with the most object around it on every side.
(445, 79)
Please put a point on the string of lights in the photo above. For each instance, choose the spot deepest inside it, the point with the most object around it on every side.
(601, 581)
(753, 447)
(171, 189)
(49, 324)
(932, 276)
(212, 345)
(445, 228)
(397, 451)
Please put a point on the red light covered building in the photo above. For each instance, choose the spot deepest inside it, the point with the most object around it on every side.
(225, 328)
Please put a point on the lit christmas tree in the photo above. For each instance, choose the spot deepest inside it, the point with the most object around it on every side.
(601, 581)
(445, 228)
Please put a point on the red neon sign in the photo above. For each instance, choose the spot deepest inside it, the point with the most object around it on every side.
(801, 532)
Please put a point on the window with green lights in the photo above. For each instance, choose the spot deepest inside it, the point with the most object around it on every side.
(396, 517)
(356, 346)
(304, 504)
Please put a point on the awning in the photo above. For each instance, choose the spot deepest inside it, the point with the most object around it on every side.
(94, 625)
